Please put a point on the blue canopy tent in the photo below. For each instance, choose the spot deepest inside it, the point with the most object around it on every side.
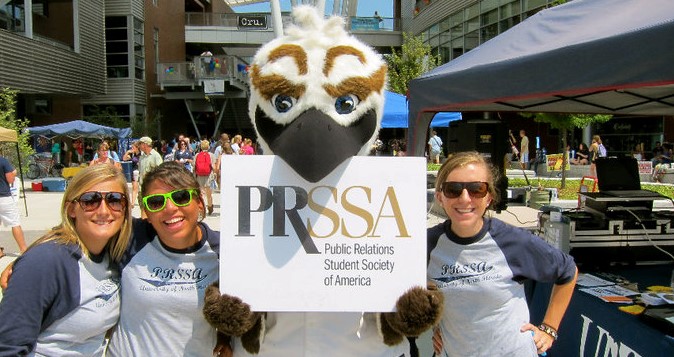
(83, 129)
(396, 114)
(80, 129)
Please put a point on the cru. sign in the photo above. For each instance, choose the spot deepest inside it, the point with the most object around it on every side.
(252, 22)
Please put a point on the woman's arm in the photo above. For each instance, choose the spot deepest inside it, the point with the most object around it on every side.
(546, 333)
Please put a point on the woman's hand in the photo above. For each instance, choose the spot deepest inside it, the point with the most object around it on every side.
(542, 340)
(4, 277)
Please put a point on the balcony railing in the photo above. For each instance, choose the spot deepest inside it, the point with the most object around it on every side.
(229, 68)
(228, 20)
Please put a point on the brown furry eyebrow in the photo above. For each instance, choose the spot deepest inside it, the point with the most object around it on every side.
(359, 86)
(337, 51)
(295, 52)
(274, 84)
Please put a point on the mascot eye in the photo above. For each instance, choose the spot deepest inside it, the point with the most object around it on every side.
(283, 102)
(346, 104)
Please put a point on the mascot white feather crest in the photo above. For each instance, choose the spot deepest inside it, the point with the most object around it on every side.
(317, 95)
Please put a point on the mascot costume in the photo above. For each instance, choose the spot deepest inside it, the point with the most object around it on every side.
(317, 100)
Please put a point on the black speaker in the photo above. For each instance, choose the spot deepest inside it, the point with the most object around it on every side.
(489, 138)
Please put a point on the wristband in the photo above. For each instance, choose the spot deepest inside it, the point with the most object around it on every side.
(549, 330)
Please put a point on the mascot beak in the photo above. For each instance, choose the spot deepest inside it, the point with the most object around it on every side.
(313, 144)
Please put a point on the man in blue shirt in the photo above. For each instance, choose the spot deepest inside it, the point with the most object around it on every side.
(9, 210)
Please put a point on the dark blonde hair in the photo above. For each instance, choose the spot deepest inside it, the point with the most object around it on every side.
(461, 159)
(65, 233)
(173, 174)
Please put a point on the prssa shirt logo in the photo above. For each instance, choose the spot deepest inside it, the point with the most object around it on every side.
(108, 291)
(454, 272)
(338, 207)
(168, 276)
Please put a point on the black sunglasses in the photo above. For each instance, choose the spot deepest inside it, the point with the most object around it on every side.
(90, 201)
(180, 198)
(454, 189)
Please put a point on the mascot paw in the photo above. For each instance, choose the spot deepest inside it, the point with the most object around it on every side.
(227, 313)
(252, 339)
(417, 310)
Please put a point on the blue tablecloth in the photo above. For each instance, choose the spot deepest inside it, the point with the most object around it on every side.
(592, 327)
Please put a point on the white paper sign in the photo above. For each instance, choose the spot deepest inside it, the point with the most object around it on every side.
(354, 241)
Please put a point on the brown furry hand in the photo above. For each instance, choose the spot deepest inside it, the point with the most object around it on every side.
(417, 310)
(228, 314)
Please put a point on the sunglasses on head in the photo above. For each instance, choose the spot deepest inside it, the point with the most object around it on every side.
(476, 189)
(90, 201)
(180, 198)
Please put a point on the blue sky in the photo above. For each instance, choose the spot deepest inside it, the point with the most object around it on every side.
(365, 7)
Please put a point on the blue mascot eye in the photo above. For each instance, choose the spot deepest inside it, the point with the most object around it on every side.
(346, 104)
(283, 102)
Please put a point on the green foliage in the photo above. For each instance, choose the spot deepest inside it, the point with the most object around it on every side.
(413, 59)
(570, 192)
(570, 121)
(141, 127)
(8, 120)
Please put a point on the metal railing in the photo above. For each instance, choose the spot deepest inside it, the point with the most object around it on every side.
(228, 20)
(202, 68)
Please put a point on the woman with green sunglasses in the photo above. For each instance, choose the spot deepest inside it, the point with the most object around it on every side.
(173, 257)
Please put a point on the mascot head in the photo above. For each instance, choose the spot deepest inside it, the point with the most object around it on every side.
(317, 95)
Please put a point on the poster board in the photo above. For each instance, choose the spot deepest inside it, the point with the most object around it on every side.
(354, 241)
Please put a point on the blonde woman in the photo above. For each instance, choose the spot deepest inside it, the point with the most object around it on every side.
(63, 295)
(103, 157)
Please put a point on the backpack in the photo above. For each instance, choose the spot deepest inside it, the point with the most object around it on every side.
(602, 150)
(202, 165)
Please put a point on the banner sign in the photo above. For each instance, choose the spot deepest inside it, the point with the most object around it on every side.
(214, 86)
(554, 162)
(364, 23)
(252, 22)
(645, 167)
(354, 241)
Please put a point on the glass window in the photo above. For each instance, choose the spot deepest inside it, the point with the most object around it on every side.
(434, 30)
(472, 40)
(456, 19)
(139, 48)
(115, 21)
(489, 32)
(472, 11)
(117, 47)
(444, 38)
(444, 25)
(533, 4)
(508, 23)
(510, 9)
(434, 42)
(445, 53)
(489, 18)
(457, 47)
(472, 24)
(489, 5)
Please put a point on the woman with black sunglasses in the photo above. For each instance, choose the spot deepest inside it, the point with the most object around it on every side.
(479, 263)
(64, 292)
(172, 259)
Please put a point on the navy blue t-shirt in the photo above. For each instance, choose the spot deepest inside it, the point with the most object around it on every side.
(5, 167)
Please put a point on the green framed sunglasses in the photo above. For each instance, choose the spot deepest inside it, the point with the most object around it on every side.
(180, 198)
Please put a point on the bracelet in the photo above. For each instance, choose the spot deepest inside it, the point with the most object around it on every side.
(549, 330)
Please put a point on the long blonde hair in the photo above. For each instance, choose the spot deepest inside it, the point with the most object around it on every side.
(65, 232)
